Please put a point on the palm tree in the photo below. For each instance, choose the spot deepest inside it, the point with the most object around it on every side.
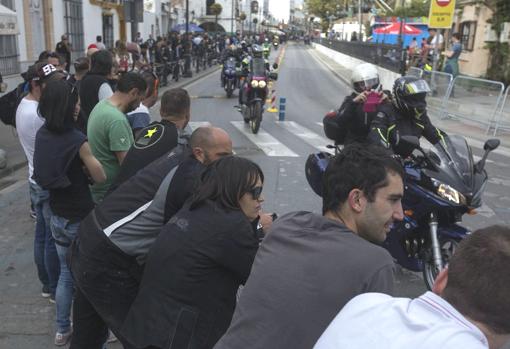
(216, 11)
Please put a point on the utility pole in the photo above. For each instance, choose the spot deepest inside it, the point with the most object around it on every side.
(360, 38)
(232, 19)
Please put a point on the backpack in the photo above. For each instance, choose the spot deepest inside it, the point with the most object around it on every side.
(9, 103)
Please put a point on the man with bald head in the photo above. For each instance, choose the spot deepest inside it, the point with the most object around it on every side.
(114, 239)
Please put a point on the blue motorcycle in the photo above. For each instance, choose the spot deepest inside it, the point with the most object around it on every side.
(229, 76)
(440, 186)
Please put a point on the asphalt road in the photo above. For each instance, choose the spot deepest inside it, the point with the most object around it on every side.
(280, 148)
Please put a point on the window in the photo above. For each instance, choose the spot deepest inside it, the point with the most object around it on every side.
(9, 57)
(108, 31)
(208, 4)
(467, 31)
(9, 4)
(74, 24)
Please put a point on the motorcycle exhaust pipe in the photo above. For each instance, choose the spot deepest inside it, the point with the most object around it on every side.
(436, 249)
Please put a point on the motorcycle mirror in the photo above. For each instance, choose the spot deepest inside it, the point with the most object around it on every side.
(3, 87)
(491, 144)
(275, 65)
(273, 76)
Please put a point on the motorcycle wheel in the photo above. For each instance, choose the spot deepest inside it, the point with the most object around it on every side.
(230, 89)
(430, 272)
(256, 117)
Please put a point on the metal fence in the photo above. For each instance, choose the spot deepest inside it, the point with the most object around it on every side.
(473, 99)
(503, 117)
(9, 56)
(414, 71)
(440, 84)
(383, 55)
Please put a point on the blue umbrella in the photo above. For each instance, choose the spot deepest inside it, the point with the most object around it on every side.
(182, 28)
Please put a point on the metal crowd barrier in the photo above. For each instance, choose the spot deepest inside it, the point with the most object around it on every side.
(474, 99)
(440, 85)
(414, 71)
(503, 116)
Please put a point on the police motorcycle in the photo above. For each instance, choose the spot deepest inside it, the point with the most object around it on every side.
(441, 185)
(255, 90)
(230, 78)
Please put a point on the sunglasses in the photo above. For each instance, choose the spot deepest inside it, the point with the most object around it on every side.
(255, 192)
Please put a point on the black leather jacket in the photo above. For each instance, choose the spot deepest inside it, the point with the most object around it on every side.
(349, 123)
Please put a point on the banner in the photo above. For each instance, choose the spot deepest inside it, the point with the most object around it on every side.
(441, 14)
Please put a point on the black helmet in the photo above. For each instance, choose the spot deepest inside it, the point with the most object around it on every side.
(409, 94)
(256, 51)
(315, 167)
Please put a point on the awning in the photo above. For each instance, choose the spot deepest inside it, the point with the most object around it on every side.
(8, 21)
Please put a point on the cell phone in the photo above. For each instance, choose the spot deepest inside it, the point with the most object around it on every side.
(373, 100)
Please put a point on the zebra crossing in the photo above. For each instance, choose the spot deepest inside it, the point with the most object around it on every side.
(273, 147)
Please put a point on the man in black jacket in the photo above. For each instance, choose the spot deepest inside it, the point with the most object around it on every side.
(94, 86)
(159, 137)
(351, 122)
(405, 116)
(114, 239)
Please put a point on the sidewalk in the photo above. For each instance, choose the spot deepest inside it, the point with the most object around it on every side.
(474, 132)
(9, 140)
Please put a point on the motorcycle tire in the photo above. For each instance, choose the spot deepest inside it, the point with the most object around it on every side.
(229, 90)
(430, 272)
(256, 117)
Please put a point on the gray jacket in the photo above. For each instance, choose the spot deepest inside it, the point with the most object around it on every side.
(307, 268)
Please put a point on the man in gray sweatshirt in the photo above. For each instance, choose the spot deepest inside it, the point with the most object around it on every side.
(309, 266)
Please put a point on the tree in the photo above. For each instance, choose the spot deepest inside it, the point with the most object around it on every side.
(216, 11)
(417, 8)
(499, 64)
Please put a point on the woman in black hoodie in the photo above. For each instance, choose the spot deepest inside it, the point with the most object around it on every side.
(62, 159)
(188, 292)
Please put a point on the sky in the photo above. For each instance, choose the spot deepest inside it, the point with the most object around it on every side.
(280, 9)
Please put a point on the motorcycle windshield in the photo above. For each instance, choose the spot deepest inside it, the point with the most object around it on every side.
(455, 159)
(258, 67)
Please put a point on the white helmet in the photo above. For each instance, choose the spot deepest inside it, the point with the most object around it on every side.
(365, 77)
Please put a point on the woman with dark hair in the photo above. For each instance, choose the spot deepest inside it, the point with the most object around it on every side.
(188, 292)
(61, 152)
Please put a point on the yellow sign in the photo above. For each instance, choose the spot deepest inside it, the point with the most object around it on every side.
(441, 14)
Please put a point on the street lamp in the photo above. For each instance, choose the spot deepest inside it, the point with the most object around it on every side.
(187, 54)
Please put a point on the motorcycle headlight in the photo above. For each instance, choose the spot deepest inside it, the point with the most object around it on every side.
(262, 84)
(254, 83)
(449, 193)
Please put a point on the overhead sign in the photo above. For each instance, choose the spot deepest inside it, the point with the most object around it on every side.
(441, 14)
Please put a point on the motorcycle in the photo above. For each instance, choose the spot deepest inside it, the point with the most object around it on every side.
(440, 186)
(256, 91)
(275, 45)
(266, 49)
(230, 76)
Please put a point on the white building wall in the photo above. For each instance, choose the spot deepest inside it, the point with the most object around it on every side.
(22, 44)
(59, 25)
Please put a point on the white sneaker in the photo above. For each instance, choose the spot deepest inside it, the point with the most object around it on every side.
(62, 339)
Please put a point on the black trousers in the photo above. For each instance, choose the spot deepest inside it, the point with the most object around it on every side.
(106, 287)
(102, 300)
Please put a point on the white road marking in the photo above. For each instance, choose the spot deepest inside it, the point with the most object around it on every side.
(306, 135)
(267, 143)
(485, 211)
(196, 124)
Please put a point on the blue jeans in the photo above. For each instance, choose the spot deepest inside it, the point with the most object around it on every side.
(45, 253)
(64, 233)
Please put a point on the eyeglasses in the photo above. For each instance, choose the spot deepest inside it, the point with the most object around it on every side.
(255, 192)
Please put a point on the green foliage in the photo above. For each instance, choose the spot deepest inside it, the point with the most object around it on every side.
(323, 9)
(418, 8)
(216, 9)
(499, 65)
